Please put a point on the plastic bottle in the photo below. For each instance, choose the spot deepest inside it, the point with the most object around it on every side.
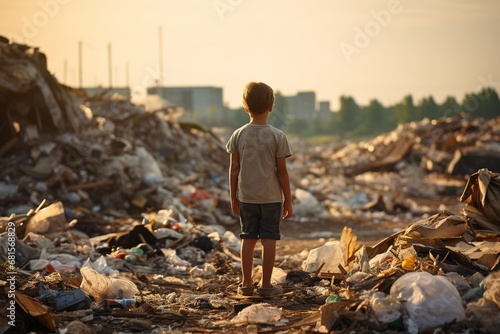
(125, 302)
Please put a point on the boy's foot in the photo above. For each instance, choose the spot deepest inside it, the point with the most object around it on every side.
(245, 291)
(269, 292)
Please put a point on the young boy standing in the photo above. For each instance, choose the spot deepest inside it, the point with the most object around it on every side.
(259, 185)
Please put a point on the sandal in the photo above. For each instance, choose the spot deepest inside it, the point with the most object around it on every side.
(269, 292)
(245, 291)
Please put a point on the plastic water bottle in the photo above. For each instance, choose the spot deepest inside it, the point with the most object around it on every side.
(125, 302)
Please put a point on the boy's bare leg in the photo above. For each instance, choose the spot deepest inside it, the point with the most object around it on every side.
(268, 257)
(246, 254)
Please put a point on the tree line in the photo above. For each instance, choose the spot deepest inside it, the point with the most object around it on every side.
(352, 120)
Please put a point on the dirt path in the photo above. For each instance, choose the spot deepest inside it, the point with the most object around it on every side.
(298, 236)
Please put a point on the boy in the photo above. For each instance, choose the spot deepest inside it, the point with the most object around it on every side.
(259, 185)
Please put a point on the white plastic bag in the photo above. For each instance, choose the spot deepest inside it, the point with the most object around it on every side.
(172, 258)
(100, 265)
(94, 283)
(278, 276)
(262, 313)
(431, 301)
(121, 288)
(386, 308)
(331, 253)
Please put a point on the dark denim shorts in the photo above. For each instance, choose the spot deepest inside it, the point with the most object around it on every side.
(260, 221)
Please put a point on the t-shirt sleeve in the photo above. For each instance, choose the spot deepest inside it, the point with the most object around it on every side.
(231, 145)
(283, 147)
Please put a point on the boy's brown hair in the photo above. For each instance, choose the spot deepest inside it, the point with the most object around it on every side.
(258, 97)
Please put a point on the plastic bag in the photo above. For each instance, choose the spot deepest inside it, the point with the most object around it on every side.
(50, 219)
(278, 276)
(94, 283)
(24, 252)
(100, 265)
(258, 314)
(121, 288)
(306, 203)
(431, 301)
(172, 258)
(149, 166)
(331, 253)
(386, 308)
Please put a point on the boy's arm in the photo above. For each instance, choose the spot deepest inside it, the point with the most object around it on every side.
(285, 186)
(234, 171)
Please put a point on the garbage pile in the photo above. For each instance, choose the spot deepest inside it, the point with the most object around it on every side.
(383, 178)
(100, 156)
(168, 274)
(116, 218)
(439, 272)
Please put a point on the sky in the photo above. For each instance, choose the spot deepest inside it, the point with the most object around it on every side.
(366, 49)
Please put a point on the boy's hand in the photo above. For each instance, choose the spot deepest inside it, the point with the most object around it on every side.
(287, 209)
(235, 206)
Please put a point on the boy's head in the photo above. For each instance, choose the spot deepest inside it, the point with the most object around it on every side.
(258, 97)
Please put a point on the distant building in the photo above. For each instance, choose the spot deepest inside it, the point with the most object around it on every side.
(203, 103)
(324, 107)
(324, 111)
(302, 105)
(99, 90)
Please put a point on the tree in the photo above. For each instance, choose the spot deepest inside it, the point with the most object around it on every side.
(450, 107)
(406, 111)
(376, 116)
(485, 104)
(490, 103)
(239, 118)
(429, 108)
(278, 117)
(298, 126)
(347, 114)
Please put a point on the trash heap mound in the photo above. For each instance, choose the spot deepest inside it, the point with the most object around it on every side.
(113, 218)
(439, 272)
(418, 168)
(99, 155)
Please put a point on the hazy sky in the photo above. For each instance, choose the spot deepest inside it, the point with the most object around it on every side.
(383, 49)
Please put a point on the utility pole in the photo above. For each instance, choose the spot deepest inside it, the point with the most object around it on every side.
(65, 76)
(160, 56)
(110, 67)
(80, 64)
(127, 78)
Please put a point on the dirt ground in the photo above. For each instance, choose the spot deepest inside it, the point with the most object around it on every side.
(298, 236)
(208, 305)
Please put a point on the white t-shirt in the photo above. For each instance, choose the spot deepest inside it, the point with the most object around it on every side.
(258, 146)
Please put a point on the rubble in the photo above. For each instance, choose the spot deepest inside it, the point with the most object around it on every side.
(116, 218)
